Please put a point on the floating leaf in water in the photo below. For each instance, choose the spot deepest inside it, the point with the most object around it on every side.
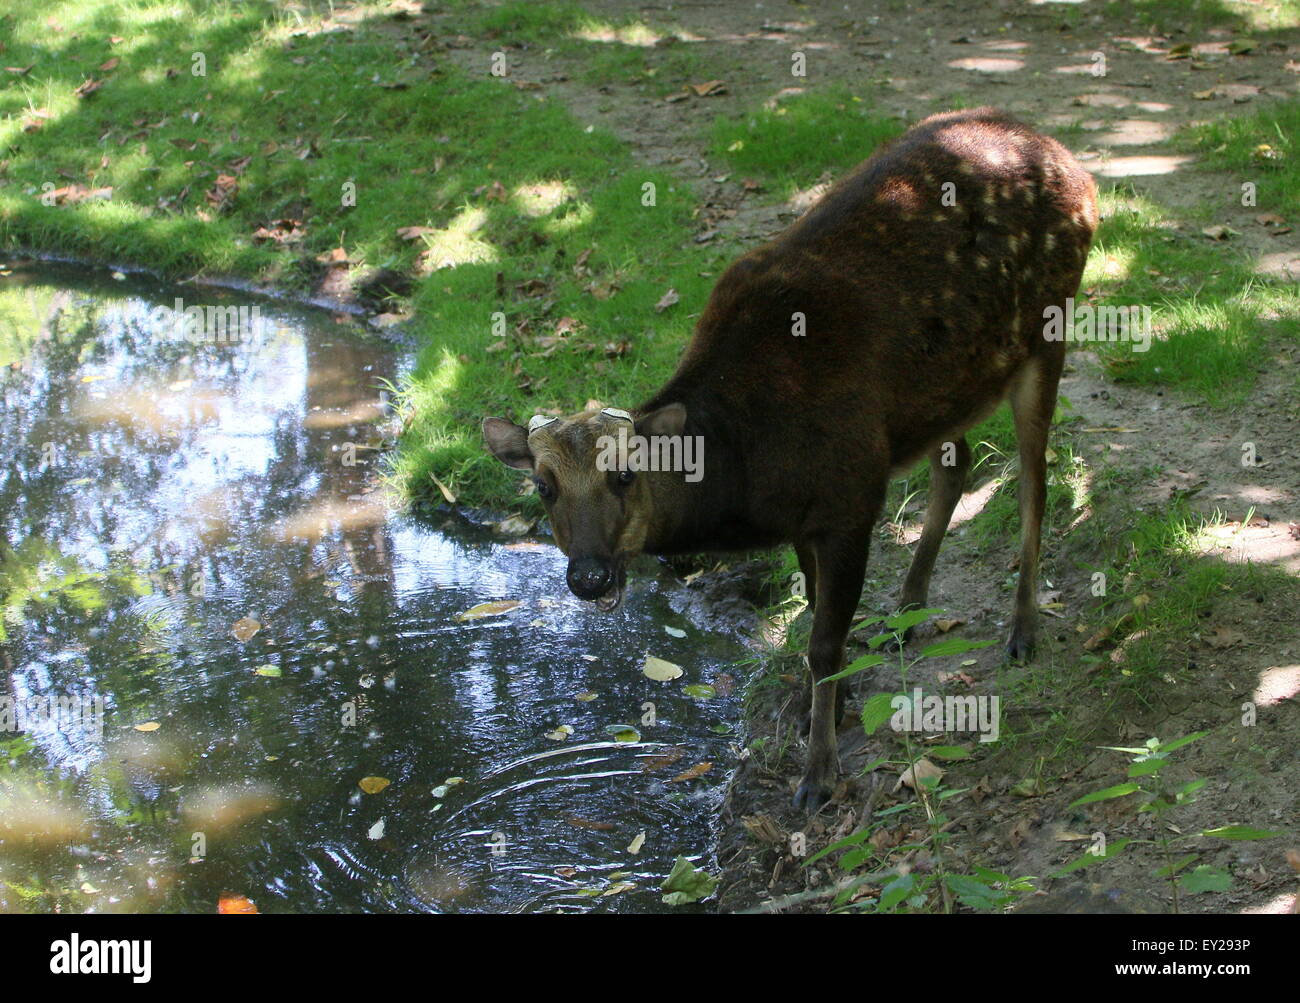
(236, 905)
(700, 691)
(441, 791)
(667, 758)
(623, 732)
(635, 846)
(698, 770)
(376, 831)
(148, 726)
(268, 670)
(617, 887)
(674, 632)
(586, 696)
(373, 785)
(687, 883)
(487, 609)
(660, 670)
(561, 733)
(244, 628)
(587, 823)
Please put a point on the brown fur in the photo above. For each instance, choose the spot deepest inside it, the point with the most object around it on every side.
(920, 318)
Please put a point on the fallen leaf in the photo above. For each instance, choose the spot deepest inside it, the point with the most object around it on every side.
(148, 726)
(922, 769)
(269, 670)
(373, 785)
(666, 300)
(586, 823)
(236, 905)
(495, 608)
(710, 88)
(560, 734)
(244, 628)
(667, 758)
(1220, 232)
(376, 831)
(1224, 637)
(637, 842)
(696, 771)
(660, 670)
(947, 625)
(446, 491)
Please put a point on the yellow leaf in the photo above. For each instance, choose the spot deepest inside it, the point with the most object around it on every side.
(373, 785)
(148, 726)
(660, 670)
(446, 491)
(487, 609)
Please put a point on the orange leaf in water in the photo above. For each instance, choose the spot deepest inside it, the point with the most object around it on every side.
(237, 905)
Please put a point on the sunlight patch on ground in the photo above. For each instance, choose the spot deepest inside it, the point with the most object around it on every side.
(988, 64)
(1134, 167)
(1277, 683)
(456, 244)
(542, 198)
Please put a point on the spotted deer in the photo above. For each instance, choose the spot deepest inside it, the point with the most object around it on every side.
(896, 313)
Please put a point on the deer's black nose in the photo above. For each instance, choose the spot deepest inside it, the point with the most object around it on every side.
(589, 577)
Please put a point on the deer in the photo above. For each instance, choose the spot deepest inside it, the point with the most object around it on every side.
(898, 311)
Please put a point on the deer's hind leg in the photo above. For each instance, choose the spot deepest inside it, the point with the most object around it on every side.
(1033, 399)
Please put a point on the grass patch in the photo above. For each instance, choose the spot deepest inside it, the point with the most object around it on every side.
(1262, 147)
(792, 144)
(1211, 315)
(1199, 15)
(1161, 587)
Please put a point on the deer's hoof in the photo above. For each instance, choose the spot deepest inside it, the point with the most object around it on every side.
(811, 795)
(1020, 646)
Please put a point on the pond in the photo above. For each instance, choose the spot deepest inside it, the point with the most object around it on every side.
(234, 670)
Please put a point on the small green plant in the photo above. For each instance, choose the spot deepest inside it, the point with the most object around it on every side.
(1148, 778)
(905, 887)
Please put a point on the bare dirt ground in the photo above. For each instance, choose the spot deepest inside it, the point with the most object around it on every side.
(1037, 62)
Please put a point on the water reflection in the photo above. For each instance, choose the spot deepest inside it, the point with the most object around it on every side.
(193, 541)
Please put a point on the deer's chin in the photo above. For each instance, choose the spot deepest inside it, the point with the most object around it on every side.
(613, 599)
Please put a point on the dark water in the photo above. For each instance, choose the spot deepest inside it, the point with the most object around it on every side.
(161, 496)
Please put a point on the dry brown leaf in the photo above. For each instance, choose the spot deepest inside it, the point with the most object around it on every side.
(696, 771)
(244, 628)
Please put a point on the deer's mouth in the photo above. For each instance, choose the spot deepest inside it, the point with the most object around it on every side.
(613, 598)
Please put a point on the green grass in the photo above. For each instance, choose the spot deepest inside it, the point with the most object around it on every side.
(1211, 314)
(1262, 147)
(798, 140)
(1160, 578)
(1181, 16)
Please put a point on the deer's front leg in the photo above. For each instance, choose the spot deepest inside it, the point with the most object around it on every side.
(841, 565)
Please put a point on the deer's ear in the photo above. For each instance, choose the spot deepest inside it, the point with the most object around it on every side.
(667, 420)
(508, 442)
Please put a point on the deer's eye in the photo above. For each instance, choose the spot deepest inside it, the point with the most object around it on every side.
(626, 477)
(544, 489)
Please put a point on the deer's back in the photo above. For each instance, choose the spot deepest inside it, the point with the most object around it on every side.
(921, 280)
